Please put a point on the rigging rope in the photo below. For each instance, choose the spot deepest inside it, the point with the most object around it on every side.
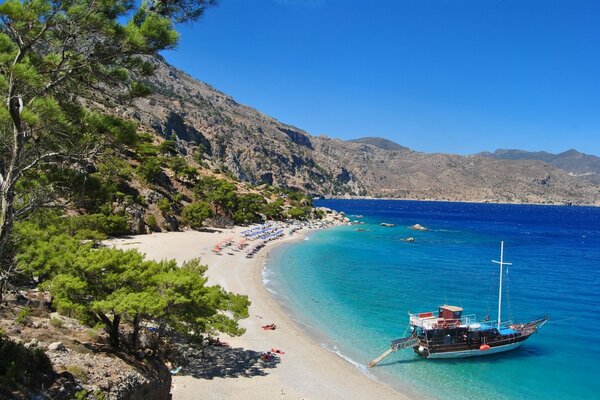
(508, 296)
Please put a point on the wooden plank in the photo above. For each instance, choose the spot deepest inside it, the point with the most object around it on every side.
(381, 357)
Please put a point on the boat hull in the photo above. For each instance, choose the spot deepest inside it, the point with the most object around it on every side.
(475, 352)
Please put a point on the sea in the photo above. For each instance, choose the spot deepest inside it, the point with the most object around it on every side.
(351, 288)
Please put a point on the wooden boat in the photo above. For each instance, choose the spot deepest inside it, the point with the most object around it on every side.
(447, 333)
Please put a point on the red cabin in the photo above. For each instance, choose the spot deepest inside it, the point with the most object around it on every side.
(450, 313)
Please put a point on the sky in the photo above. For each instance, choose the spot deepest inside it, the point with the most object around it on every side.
(452, 76)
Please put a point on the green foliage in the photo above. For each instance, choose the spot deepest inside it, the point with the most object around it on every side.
(54, 55)
(273, 210)
(178, 197)
(168, 147)
(22, 368)
(22, 315)
(81, 394)
(150, 170)
(164, 205)
(108, 225)
(56, 322)
(199, 154)
(248, 208)
(219, 192)
(80, 373)
(299, 212)
(107, 285)
(177, 164)
(119, 130)
(151, 222)
(193, 215)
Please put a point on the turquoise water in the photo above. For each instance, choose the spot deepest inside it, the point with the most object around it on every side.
(353, 289)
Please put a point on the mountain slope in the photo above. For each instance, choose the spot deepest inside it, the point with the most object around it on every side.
(572, 161)
(259, 149)
(381, 143)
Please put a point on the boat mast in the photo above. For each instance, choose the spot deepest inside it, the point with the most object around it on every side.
(502, 263)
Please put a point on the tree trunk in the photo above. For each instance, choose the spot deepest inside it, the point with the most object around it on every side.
(135, 337)
(112, 327)
(114, 331)
(9, 172)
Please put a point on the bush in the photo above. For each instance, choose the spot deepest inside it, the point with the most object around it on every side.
(151, 222)
(248, 208)
(150, 170)
(109, 225)
(56, 322)
(193, 215)
(298, 212)
(168, 147)
(22, 315)
(22, 368)
(79, 372)
(164, 205)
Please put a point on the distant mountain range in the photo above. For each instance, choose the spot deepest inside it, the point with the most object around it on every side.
(572, 161)
(258, 149)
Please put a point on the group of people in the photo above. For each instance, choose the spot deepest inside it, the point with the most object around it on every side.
(271, 355)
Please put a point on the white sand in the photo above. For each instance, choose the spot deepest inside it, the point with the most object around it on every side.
(305, 371)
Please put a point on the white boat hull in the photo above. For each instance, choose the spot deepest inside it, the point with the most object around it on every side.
(475, 352)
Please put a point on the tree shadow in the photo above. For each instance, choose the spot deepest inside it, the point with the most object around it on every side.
(227, 362)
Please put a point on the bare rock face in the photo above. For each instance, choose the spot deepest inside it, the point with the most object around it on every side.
(259, 149)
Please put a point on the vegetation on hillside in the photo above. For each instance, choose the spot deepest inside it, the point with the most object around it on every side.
(73, 173)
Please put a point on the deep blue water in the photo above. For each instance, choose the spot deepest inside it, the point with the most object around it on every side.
(353, 291)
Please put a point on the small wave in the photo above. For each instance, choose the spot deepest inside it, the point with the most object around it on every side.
(361, 367)
(271, 290)
(306, 239)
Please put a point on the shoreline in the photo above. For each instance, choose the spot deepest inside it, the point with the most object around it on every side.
(306, 371)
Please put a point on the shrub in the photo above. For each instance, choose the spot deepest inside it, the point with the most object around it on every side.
(109, 225)
(56, 322)
(151, 222)
(298, 212)
(168, 147)
(193, 215)
(79, 372)
(23, 315)
(150, 170)
(22, 367)
(164, 205)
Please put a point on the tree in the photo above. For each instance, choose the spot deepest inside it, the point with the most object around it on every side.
(193, 215)
(273, 210)
(111, 286)
(248, 208)
(298, 212)
(219, 192)
(54, 53)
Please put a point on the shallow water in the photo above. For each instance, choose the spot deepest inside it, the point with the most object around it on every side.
(353, 289)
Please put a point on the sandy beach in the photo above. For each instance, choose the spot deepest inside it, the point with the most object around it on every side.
(305, 371)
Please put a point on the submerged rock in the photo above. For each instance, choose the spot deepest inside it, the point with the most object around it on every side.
(419, 227)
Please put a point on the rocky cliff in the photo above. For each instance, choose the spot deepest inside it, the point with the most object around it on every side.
(259, 149)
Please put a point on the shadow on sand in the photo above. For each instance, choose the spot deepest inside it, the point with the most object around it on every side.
(227, 362)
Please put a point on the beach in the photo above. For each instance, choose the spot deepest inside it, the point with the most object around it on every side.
(305, 371)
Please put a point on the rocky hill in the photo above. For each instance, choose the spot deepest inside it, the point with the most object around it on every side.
(381, 143)
(572, 161)
(259, 149)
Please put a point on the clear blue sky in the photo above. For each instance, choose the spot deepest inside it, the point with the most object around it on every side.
(437, 76)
